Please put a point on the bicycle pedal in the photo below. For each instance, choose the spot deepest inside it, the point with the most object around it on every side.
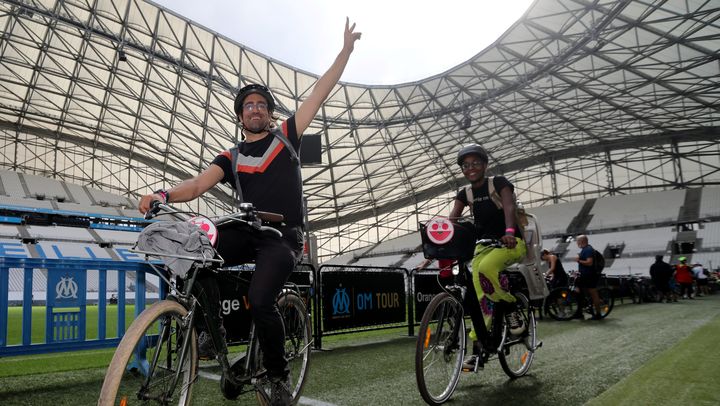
(475, 369)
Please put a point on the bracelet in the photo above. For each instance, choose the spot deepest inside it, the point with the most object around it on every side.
(164, 193)
(510, 230)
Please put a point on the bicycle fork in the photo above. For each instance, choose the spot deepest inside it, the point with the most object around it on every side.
(164, 337)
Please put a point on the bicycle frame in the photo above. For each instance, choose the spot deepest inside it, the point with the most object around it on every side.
(186, 298)
(458, 290)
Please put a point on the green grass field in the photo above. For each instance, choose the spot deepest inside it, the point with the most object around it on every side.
(38, 323)
(650, 354)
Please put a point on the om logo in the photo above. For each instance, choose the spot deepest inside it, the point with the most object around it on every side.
(66, 288)
(341, 302)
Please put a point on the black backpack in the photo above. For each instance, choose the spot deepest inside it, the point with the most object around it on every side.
(598, 261)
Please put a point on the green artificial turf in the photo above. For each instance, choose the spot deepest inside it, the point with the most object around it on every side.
(642, 354)
(684, 374)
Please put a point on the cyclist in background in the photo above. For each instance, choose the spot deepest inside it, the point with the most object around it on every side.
(493, 223)
(269, 177)
(588, 278)
(556, 272)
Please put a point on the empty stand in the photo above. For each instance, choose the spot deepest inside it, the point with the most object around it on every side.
(116, 236)
(29, 203)
(103, 198)
(409, 242)
(710, 234)
(12, 185)
(9, 231)
(710, 202)
(642, 241)
(637, 209)
(59, 233)
(79, 194)
(631, 266)
(555, 219)
(384, 261)
(550, 244)
(49, 189)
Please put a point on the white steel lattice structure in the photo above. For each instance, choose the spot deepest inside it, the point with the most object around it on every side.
(578, 99)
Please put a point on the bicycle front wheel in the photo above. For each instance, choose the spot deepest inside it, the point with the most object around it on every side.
(440, 349)
(154, 363)
(517, 352)
(607, 302)
(298, 338)
(561, 304)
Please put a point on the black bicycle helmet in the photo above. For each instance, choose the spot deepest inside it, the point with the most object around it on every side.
(250, 89)
(472, 149)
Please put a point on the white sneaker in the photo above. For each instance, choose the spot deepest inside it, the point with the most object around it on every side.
(515, 323)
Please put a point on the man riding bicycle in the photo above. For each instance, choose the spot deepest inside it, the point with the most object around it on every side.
(494, 223)
(267, 174)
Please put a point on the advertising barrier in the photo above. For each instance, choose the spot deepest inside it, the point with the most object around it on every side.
(235, 305)
(357, 297)
(425, 287)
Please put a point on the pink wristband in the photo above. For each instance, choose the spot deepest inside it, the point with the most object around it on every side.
(510, 230)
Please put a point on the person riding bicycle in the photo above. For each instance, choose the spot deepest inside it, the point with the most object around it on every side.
(493, 223)
(588, 278)
(556, 272)
(269, 177)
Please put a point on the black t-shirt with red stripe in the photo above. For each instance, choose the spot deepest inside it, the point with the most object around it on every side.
(275, 185)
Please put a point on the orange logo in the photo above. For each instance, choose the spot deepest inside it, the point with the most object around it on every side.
(440, 230)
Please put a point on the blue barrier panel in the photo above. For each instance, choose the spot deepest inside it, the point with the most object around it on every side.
(4, 285)
(66, 301)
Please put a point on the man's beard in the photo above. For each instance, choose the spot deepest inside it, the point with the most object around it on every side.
(256, 127)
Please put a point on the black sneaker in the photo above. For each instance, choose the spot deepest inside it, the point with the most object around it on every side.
(515, 323)
(206, 349)
(473, 363)
(280, 394)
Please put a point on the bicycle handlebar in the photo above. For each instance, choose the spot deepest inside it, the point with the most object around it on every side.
(247, 215)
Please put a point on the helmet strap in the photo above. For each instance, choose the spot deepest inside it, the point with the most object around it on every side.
(267, 128)
(255, 132)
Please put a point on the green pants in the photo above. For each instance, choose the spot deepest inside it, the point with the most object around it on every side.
(489, 286)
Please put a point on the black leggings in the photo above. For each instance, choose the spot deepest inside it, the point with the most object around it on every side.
(686, 289)
(275, 259)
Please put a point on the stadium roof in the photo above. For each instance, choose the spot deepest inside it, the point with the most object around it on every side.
(129, 97)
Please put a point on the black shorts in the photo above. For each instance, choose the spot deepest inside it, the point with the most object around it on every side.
(587, 280)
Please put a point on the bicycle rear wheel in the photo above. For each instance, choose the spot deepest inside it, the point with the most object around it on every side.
(607, 302)
(440, 349)
(517, 352)
(561, 304)
(158, 334)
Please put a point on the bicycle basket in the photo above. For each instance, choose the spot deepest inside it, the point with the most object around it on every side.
(445, 239)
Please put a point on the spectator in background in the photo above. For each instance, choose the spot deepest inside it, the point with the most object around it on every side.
(661, 272)
(701, 279)
(556, 272)
(588, 278)
(684, 277)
